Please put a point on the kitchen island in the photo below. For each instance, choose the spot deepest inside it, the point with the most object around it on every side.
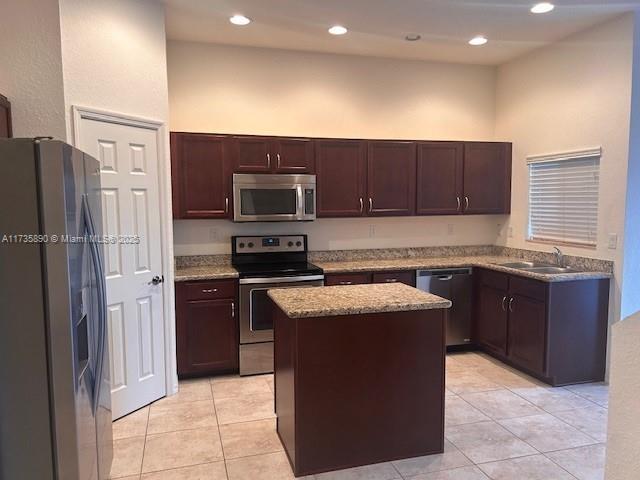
(359, 374)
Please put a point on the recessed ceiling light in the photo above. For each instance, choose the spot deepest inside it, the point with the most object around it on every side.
(337, 30)
(477, 41)
(412, 37)
(240, 20)
(543, 7)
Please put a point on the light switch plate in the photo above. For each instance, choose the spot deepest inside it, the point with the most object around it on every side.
(613, 241)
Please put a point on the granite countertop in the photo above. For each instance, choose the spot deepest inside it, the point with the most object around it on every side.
(226, 270)
(205, 272)
(425, 263)
(353, 299)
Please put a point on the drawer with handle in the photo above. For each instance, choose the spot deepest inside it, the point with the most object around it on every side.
(347, 279)
(406, 277)
(210, 289)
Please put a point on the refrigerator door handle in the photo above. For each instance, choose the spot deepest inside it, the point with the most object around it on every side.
(102, 299)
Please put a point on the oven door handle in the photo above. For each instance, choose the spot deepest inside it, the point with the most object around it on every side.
(304, 278)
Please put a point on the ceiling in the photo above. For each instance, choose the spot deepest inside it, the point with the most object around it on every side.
(378, 27)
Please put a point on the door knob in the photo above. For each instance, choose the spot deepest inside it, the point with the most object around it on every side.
(158, 279)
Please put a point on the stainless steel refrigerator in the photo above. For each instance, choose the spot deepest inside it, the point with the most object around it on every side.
(55, 399)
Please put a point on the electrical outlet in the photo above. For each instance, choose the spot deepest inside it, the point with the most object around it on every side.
(510, 232)
(613, 241)
(450, 229)
(214, 235)
(372, 231)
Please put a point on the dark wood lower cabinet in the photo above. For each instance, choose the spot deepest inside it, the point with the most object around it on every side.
(408, 277)
(527, 322)
(555, 331)
(206, 327)
(353, 390)
(331, 279)
(491, 319)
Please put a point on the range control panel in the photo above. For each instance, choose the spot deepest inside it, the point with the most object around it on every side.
(269, 244)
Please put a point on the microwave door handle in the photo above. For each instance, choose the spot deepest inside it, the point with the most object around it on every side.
(300, 195)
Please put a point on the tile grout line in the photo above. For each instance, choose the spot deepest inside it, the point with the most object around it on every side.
(144, 447)
(525, 456)
(578, 429)
(215, 412)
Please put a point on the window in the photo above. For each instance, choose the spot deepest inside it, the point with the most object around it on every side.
(563, 198)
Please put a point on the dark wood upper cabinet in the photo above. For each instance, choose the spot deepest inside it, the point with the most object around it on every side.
(439, 173)
(5, 117)
(272, 155)
(200, 176)
(391, 178)
(252, 154)
(354, 177)
(487, 178)
(293, 155)
(341, 167)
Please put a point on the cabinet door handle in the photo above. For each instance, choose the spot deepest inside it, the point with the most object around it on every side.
(466, 203)
(233, 309)
(370, 205)
(346, 283)
(361, 205)
(504, 307)
(459, 204)
(268, 161)
(511, 304)
(277, 160)
(209, 290)
(391, 280)
(226, 204)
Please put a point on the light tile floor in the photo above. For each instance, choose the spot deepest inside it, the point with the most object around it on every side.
(499, 424)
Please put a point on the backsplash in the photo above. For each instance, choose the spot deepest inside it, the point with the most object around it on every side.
(391, 253)
(580, 263)
(201, 260)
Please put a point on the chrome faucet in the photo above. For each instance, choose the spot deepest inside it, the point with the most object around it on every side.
(559, 256)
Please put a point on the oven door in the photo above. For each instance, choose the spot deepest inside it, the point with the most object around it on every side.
(273, 198)
(256, 322)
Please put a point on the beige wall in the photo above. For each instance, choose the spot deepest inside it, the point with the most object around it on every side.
(573, 94)
(114, 57)
(623, 436)
(31, 71)
(225, 89)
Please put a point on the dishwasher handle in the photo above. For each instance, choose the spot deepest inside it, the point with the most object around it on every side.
(444, 273)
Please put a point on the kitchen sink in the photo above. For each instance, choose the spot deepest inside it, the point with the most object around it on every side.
(538, 267)
(551, 270)
(523, 265)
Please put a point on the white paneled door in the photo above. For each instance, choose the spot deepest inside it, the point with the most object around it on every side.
(128, 156)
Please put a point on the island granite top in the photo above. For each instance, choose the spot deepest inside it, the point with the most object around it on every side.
(353, 300)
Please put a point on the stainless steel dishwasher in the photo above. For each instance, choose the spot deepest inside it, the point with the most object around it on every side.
(454, 284)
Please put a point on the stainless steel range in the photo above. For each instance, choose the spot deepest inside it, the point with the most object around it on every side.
(265, 262)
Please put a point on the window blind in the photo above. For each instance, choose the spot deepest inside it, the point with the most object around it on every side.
(563, 197)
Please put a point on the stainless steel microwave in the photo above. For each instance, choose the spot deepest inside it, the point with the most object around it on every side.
(274, 198)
